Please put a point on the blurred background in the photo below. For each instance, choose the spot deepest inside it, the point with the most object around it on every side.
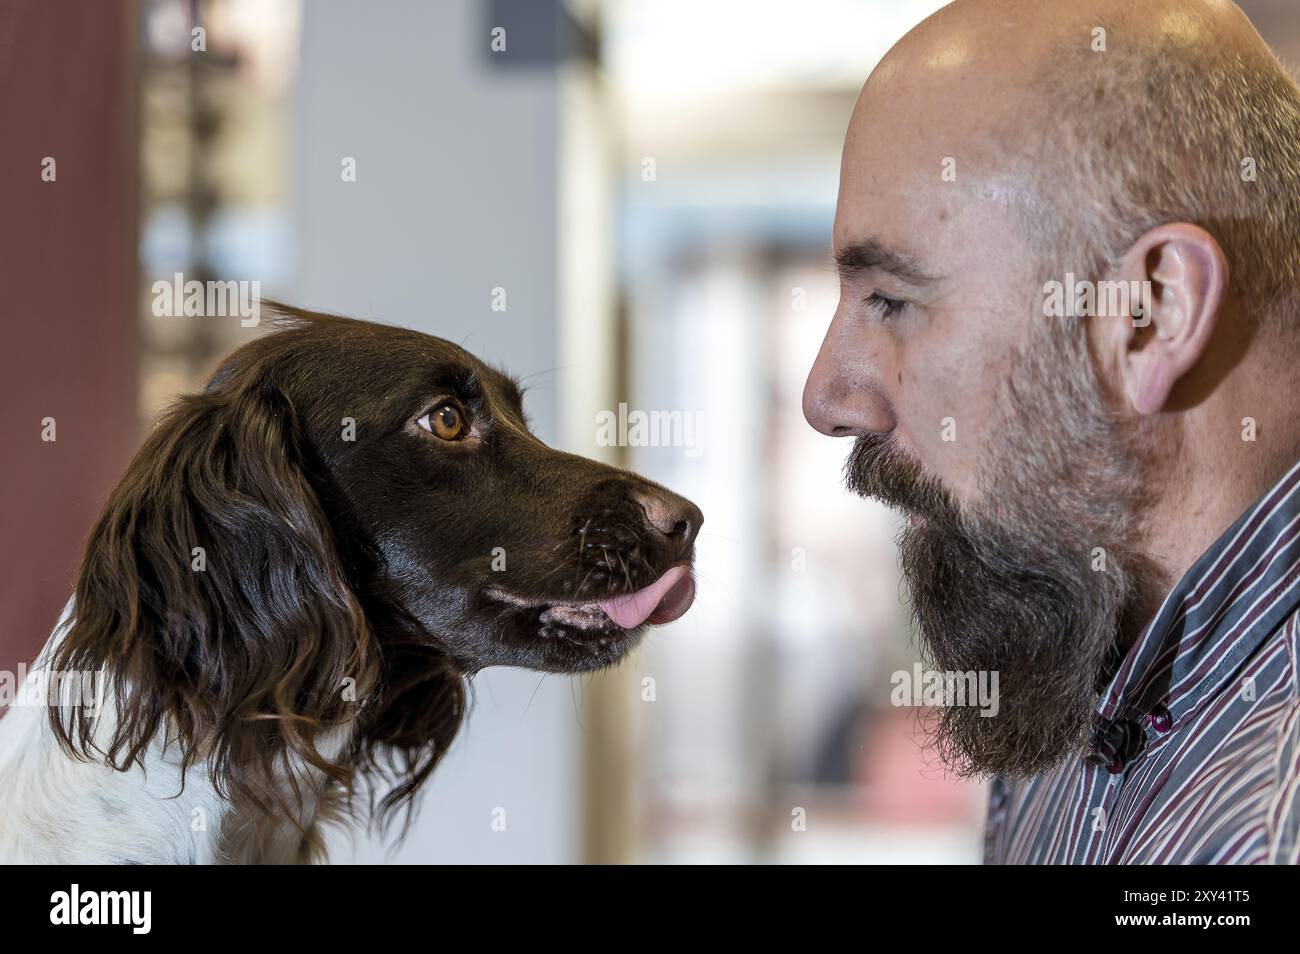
(625, 202)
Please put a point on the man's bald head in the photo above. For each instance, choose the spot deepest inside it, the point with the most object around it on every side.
(1102, 119)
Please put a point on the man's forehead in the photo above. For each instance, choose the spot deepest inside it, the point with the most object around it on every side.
(878, 202)
(915, 192)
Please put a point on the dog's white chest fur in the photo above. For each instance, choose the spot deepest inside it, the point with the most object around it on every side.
(56, 809)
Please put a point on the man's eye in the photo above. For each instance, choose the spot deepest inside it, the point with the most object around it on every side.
(885, 306)
(444, 421)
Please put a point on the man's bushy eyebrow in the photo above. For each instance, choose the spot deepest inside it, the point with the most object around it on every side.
(872, 255)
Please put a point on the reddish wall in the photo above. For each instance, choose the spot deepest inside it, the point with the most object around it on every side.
(68, 277)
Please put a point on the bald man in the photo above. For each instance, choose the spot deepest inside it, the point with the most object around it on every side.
(1066, 347)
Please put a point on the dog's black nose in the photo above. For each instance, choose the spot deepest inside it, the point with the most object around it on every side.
(674, 517)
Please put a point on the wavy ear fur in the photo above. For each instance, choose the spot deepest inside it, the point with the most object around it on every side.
(239, 650)
(423, 707)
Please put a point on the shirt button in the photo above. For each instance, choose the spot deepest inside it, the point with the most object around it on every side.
(1160, 719)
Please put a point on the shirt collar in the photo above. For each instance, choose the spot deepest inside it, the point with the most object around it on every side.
(1224, 607)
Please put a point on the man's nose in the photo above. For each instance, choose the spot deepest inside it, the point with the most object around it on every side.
(674, 518)
(841, 402)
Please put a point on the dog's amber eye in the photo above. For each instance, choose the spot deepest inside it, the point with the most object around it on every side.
(445, 422)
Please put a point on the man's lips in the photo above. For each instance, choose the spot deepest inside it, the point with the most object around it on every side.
(663, 601)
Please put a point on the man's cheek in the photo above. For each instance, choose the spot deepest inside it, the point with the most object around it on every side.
(946, 435)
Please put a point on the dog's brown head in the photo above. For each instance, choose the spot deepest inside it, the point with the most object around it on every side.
(349, 521)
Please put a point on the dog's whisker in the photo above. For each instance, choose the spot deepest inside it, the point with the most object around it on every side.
(534, 695)
(715, 585)
(582, 536)
(718, 536)
(583, 585)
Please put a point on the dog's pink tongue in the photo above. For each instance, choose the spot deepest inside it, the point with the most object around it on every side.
(662, 601)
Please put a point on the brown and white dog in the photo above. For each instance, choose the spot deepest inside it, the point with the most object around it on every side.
(286, 594)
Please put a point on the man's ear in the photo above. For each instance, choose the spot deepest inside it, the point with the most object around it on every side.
(1183, 274)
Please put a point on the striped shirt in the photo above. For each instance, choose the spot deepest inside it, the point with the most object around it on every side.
(1194, 754)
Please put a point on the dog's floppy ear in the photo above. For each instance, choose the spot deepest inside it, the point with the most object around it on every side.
(212, 596)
